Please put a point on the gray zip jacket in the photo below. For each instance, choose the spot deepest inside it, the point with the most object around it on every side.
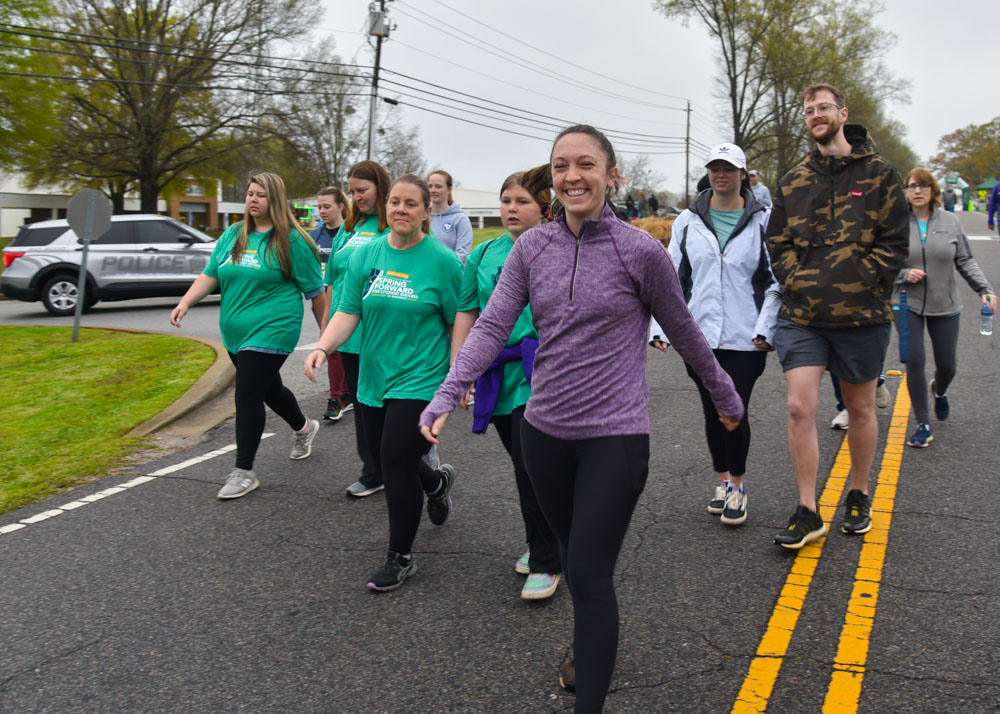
(946, 250)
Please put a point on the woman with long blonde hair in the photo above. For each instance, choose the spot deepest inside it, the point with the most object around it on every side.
(262, 266)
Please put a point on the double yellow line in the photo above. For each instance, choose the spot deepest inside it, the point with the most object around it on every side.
(848, 671)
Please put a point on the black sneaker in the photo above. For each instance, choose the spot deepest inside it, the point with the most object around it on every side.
(334, 410)
(392, 574)
(567, 676)
(941, 407)
(439, 507)
(804, 526)
(857, 510)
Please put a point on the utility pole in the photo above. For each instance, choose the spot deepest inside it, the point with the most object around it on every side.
(687, 159)
(378, 27)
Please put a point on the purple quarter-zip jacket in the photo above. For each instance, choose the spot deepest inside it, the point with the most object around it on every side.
(591, 298)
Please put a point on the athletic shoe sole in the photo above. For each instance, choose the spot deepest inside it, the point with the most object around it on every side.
(733, 521)
(366, 492)
(918, 445)
(808, 538)
(241, 494)
(330, 416)
(857, 531)
(715, 511)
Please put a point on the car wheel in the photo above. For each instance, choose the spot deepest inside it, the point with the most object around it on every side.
(59, 295)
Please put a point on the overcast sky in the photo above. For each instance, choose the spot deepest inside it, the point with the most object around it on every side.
(622, 66)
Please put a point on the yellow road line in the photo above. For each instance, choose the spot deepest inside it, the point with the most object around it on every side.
(852, 653)
(764, 667)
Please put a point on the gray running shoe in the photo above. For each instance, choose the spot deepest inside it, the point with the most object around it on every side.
(304, 442)
(391, 575)
(439, 507)
(358, 489)
(238, 483)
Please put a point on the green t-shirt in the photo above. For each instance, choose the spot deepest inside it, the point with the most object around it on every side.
(482, 271)
(260, 309)
(724, 223)
(406, 299)
(336, 268)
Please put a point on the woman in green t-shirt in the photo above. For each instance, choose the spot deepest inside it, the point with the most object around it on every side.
(403, 290)
(504, 388)
(368, 184)
(262, 266)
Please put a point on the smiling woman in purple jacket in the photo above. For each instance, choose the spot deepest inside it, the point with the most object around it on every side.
(592, 282)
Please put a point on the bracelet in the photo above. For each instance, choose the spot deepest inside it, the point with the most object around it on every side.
(320, 349)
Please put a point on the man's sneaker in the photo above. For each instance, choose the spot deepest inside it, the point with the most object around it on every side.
(522, 564)
(840, 421)
(921, 438)
(334, 410)
(303, 445)
(567, 676)
(359, 489)
(439, 505)
(735, 511)
(941, 408)
(857, 513)
(539, 586)
(718, 503)
(804, 526)
(392, 574)
(238, 483)
(882, 396)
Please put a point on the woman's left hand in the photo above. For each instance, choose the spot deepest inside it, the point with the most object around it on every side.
(990, 300)
(761, 344)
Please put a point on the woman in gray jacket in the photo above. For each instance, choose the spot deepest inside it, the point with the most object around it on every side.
(938, 248)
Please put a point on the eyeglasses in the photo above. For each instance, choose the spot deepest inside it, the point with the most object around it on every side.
(916, 186)
(823, 108)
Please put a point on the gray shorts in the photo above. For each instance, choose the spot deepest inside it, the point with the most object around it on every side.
(855, 354)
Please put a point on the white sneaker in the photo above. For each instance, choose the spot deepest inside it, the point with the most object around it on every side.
(736, 507)
(840, 421)
(882, 396)
(718, 502)
(304, 442)
(238, 483)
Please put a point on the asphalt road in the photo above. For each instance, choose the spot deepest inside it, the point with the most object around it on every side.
(158, 597)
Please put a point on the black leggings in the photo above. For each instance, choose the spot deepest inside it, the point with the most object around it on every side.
(588, 489)
(729, 448)
(397, 445)
(258, 382)
(541, 540)
(943, 332)
(370, 474)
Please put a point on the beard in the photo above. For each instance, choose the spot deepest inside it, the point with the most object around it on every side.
(828, 133)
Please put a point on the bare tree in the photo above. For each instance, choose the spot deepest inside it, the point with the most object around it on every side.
(164, 87)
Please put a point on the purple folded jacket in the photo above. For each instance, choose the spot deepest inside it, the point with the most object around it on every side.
(488, 386)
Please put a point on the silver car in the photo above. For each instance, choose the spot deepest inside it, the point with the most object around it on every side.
(140, 256)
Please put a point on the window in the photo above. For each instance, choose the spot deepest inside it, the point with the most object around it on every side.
(159, 232)
(37, 236)
(118, 234)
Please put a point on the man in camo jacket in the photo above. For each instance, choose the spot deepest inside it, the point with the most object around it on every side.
(838, 235)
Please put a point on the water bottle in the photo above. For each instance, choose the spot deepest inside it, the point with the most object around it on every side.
(986, 319)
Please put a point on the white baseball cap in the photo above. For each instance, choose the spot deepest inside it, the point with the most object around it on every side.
(730, 153)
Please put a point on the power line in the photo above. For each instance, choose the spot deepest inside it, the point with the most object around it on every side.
(551, 74)
(553, 56)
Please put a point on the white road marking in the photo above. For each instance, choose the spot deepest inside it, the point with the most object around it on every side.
(981, 237)
(111, 491)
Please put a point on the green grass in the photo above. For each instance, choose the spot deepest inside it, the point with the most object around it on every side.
(483, 234)
(67, 406)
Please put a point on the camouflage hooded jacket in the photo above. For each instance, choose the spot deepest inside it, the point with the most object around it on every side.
(838, 235)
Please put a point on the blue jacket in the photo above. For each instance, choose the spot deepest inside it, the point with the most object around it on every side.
(993, 206)
(453, 229)
(324, 241)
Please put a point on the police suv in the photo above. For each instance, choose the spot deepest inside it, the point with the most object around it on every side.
(140, 256)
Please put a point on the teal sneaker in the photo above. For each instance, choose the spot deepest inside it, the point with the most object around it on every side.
(539, 586)
(522, 565)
